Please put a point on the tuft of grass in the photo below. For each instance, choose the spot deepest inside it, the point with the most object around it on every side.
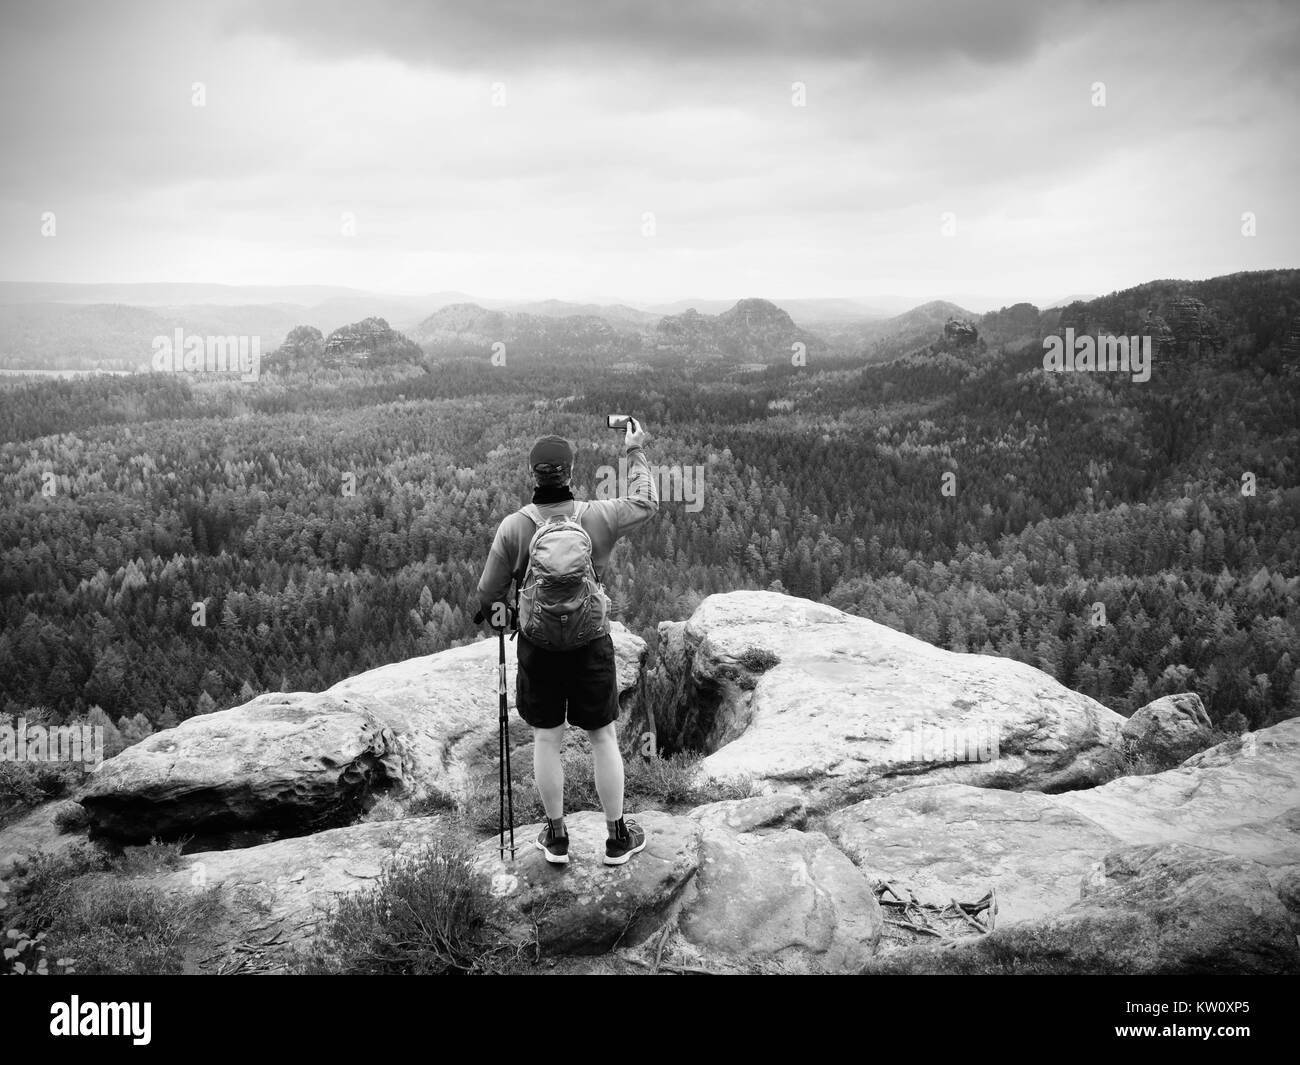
(99, 924)
(1135, 758)
(758, 659)
(427, 915)
(120, 927)
(152, 857)
(1020, 951)
(46, 883)
(675, 783)
(29, 784)
(71, 817)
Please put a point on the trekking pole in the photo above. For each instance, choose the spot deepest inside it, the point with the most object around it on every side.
(503, 731)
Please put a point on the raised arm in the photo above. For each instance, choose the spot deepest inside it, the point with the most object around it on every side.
(642, 500)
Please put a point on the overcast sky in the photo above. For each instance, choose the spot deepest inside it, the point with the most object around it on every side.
(684, 110)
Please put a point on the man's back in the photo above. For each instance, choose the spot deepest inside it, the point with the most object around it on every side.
(605, 520)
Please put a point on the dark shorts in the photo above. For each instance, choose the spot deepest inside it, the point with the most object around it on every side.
(582, 682)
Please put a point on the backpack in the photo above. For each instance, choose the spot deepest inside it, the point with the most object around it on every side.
(561, 604)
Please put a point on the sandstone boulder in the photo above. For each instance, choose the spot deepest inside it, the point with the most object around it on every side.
(785, 897)
(1240, 799)
(273, 897)
(1169, 723)
(777, 810)
(1176, 909)
(1155, 909)
(800, 695)
(587, 907)
(291, 762)
(297, 762)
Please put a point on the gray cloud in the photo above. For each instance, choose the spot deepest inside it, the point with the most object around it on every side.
(684, 110)
(449, 33)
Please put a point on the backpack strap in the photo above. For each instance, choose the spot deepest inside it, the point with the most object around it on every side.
(534, 514)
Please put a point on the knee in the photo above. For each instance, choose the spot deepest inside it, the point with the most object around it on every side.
(549, 737)
(603, 736)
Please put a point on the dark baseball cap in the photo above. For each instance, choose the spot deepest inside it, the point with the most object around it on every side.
(551, 451)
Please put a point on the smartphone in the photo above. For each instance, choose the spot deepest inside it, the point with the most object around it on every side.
(618, 421)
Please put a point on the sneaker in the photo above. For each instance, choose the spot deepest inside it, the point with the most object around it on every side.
(556, 848)
(628, 838)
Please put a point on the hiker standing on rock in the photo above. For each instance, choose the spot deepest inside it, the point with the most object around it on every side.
(556, 550)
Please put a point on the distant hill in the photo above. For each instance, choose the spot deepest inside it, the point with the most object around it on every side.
(753, 329)
(619, 315)
(110, 336)
(888, 338)
(370, 343)
(1065, 301)
(1249, 317)
(469, 330)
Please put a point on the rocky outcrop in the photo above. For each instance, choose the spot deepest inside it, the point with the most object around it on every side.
(587, 907)
(880, 760)
(301, 349)
(1175, 909)
(271, 899)
(793, 693)
(958, 334)
(1192, 326)
(955, 841)
(1157, 909)
(754, 329)
(1169, 723)
(293, 763)
(468, 330)
(297, 762)
(369, 343)
(761, 894)
(1240, 799)
(782, 896)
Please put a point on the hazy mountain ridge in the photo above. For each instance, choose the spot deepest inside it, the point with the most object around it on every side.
(1244, 315)
(753, 329)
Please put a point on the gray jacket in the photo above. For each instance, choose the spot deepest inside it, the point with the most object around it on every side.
(605, 520)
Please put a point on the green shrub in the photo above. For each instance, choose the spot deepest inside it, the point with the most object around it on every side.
(1022, 951)
(426, 915)
(114, 926)
(32, 783)
(1135, 758)
(152, 857)
(675, 782)
(100, 924)
(46, 883)
(758, 659)
(392, 808)
(71, 817)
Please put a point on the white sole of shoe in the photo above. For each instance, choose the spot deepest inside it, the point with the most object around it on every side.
(554, 859)
(625, 857)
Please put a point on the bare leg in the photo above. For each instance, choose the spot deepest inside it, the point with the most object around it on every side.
(548, 769)
(607, 764)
